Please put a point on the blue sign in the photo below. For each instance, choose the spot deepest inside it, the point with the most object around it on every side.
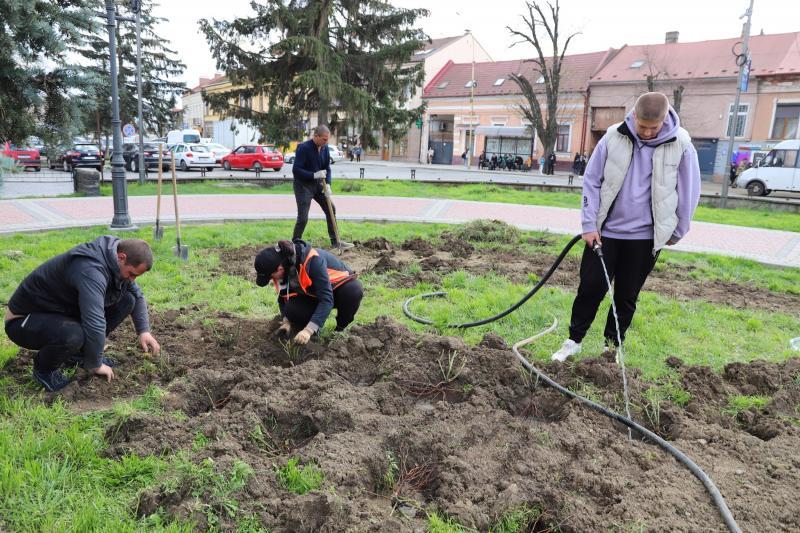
(128, 130)
(745, 76)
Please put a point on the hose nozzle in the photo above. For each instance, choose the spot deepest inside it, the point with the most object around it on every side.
(597, 248)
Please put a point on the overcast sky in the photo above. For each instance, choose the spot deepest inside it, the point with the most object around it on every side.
(602, 23)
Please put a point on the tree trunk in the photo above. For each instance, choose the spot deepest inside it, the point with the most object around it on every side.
(677, 98)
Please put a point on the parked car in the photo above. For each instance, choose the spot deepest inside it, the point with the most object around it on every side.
(254, 156)
(193, 156)
(130, 153)
(218, 150)
(336, 154)
(23, 156)
(78, 155)
(778, 171)
(333, 150)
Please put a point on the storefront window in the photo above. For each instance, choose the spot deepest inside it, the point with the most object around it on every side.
(787, 117)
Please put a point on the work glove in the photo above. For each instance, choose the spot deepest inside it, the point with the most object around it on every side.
(320, 174)
(283, 330)
(303, 336)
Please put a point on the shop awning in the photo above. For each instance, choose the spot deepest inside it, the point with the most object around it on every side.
(504, 131)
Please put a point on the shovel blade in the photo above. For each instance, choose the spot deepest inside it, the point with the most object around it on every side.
(158, 232)
(181, 251)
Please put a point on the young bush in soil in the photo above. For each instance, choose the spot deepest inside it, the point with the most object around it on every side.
(299, 479)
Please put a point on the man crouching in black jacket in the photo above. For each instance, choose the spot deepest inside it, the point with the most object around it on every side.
(67, 307)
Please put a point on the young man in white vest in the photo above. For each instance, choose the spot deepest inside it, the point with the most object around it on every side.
(640, 190)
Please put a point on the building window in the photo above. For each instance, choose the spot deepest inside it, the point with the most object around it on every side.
(443, 85)
(499, 81)
(470, 84)
(787, 117)
(562, 140)
(741, 121)
(499, 121)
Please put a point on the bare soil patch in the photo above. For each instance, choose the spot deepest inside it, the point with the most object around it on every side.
(451, 253)
(472, 445)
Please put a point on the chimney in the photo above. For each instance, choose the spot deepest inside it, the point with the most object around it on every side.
(671, 37)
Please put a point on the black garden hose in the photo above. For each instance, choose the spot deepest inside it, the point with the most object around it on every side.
(712, 489)
(500, 315)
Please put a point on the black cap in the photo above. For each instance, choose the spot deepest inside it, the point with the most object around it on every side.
(267, 262)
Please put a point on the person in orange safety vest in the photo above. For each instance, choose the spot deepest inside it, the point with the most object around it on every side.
(309, 282)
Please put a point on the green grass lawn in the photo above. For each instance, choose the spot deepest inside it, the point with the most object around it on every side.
(53, 475)
(761, 218)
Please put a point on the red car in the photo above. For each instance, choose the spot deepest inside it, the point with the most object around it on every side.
(24, 157)
(254, 156)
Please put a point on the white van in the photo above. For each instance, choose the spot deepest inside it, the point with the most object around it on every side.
(778, 171)
(183, 136)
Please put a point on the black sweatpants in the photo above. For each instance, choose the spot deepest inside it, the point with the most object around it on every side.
(58, 337)
(629, 262)
(304, 192)
(346, 301)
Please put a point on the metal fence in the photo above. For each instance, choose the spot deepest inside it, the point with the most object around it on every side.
(17, 182)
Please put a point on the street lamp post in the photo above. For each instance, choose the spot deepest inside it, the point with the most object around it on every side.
(745, 66)
(119, 187)
(137, 7)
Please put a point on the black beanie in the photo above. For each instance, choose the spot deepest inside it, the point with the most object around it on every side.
(267, 262)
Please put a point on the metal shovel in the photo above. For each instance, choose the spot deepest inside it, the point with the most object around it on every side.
(180, 250)
(158, 231)
(327, 190)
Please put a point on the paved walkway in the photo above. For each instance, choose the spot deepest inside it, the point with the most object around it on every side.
(766, 246)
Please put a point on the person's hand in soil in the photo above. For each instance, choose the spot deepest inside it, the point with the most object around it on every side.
(283, 330)
(149, 342)
(303, 336)
(104, 370)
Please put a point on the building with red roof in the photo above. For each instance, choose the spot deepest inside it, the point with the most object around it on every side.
(703, 76)
(486, 117)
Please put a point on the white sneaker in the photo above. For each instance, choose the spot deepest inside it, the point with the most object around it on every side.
(569, 348)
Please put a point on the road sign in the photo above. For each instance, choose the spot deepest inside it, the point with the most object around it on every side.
(128, 130)
(745, 75)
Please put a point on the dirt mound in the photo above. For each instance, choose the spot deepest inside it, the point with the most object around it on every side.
(469, 432)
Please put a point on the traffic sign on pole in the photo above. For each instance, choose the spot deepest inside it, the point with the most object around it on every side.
(129, 130)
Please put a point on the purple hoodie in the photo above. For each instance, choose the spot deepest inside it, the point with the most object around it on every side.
(631, 216)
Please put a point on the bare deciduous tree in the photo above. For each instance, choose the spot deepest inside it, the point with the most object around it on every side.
(542, 32)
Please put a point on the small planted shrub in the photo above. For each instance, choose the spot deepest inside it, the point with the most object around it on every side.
(299, 479)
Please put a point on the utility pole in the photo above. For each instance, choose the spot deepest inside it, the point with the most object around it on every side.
(136, 6)
(119, 186)
(471, 149)
(743, 61)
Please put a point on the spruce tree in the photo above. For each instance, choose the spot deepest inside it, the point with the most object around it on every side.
(160, 72)
(36, 80)
(346, 60)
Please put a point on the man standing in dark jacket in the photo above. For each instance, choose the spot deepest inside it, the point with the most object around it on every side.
(67, 307)
(311, 170)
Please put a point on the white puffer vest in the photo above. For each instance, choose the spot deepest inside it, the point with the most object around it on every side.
(663, 187)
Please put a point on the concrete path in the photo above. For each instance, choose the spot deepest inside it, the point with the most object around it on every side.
(766, 246)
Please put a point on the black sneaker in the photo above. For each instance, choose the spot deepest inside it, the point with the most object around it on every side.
(52, 381)
(77, 360)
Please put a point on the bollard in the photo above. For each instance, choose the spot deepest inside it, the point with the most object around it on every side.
(569, 180)
(413, 173)
(202, 172)
(361, 173)
(258, 171)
